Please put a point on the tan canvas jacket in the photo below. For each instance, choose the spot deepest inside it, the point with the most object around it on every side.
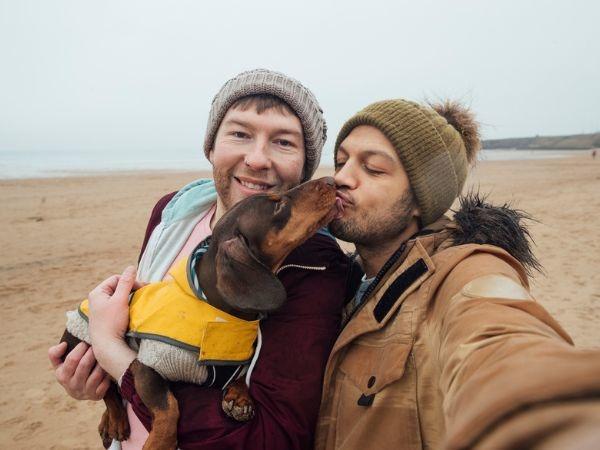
(451, 351)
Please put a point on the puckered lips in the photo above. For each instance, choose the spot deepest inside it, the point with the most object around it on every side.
(342, 201)
(338, 208)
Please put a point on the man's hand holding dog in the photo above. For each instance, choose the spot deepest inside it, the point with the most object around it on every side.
(82, 374)
(79, 374)
(108, 321)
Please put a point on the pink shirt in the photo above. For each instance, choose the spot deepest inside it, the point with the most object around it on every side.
(139, 434)
(199, 233)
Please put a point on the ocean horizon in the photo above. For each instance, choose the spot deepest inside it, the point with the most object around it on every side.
(20, 164)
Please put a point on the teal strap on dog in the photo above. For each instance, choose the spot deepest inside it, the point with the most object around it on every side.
(194, 260)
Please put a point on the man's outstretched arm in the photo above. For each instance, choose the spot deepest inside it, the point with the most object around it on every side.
(511, 377)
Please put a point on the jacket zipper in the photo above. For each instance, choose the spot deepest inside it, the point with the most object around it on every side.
(299, 266)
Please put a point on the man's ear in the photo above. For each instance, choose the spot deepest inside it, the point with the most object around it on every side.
(416, 216)
(211, 152)
(244, 282)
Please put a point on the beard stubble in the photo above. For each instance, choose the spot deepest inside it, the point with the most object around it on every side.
(376, 227)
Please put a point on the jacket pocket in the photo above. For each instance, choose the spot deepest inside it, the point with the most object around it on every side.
(373, 364)
(376, 395)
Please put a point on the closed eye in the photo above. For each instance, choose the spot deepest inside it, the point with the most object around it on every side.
(372, 171)
(280, 206)
(338, 165)
(244, 239)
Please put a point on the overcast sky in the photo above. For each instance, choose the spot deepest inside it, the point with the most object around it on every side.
(120, 74)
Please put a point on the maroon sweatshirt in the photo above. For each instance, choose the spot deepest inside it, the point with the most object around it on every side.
(286, 381)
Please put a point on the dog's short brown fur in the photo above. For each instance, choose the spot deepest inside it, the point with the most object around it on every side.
(237, 275)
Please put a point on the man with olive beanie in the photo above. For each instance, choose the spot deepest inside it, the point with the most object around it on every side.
(443, 345)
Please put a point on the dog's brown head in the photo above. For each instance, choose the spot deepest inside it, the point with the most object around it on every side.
(253, 238)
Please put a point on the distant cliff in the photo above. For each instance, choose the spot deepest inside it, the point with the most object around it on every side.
(573, 142)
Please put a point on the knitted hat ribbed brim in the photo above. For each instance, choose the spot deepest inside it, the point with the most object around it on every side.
(300, 99)
(431, 151)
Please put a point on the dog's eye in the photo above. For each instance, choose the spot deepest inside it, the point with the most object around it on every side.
(244, 239)
(279, 206)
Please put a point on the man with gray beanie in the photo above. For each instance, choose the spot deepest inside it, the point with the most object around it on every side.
(265, 133)
(443, 345)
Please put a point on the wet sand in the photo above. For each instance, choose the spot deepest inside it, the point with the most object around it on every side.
(63, 235)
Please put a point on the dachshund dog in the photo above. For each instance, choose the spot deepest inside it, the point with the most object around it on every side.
(236, 278)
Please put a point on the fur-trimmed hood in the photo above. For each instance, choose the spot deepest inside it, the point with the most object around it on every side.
(479, 222)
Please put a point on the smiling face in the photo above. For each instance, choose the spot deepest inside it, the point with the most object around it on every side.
(378, 204)
(256, 153)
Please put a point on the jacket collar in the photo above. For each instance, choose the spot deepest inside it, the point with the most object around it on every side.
(412, 267)
(475, 222)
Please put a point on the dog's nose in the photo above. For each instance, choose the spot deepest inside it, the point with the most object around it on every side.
(329, 180)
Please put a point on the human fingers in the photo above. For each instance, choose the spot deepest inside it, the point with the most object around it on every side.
(83, 370)
(93, 384)
(106, 288)
(55, 354)
(71, 362)
(103, 386)
(125, 284)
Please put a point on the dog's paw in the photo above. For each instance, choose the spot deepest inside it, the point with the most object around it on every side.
(238, 404)
(114, 426)
(241, 413)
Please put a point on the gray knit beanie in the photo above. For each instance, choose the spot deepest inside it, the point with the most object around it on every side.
(300, 99)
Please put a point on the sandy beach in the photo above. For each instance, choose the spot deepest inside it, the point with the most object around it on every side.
(64, 235)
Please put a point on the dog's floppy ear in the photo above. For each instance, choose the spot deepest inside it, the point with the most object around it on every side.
(243, 281)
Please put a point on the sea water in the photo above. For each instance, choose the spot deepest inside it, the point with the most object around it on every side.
(61, 163)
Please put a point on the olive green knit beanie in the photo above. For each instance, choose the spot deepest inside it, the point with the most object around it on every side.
(435, 144)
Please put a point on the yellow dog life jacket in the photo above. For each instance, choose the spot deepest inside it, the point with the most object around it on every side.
(170, 311)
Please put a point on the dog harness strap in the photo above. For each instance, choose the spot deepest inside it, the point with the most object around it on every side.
(194, 259)
(254, 358)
